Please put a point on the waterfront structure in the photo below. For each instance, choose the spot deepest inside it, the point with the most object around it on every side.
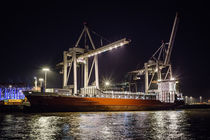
(91, 98)
(80, 56)
(11, 91)
(45, 76)
(157, 71)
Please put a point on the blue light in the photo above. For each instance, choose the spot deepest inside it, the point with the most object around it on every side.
(12, 93)
(0, 95)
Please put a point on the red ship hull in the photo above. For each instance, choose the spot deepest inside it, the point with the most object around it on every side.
(44, 102)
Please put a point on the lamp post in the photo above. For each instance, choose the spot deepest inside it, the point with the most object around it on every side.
(200, 99)
(35, 83)
(40, 81)
(45, 76)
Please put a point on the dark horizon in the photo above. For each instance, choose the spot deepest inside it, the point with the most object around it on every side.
(35, 34)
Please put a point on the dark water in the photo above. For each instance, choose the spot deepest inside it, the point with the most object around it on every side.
(185, 124)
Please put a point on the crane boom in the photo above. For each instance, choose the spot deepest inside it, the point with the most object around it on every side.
(171, 41)
(105, 48)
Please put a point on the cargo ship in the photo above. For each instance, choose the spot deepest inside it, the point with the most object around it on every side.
(45, 102)
(159, 84)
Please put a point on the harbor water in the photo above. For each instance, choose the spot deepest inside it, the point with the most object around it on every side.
(182, 124)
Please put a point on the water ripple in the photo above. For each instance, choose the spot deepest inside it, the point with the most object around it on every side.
(157, 125)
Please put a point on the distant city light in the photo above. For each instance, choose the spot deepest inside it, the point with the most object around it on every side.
(12, 92)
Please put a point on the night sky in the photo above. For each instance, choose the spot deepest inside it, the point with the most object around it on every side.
(34, 34)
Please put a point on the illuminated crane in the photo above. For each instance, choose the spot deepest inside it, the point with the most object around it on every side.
(158, 69)
(76, 55)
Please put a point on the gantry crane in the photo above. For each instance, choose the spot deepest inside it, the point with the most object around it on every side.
(80, 56)
(158, 69)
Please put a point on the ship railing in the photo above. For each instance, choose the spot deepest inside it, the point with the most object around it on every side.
(125, 93)
(93, 92)
(90, 91)
(129, 95)
(58, 91)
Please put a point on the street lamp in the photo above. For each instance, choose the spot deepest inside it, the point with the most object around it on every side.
(40, 81)
(35, 83)
(45, 76)
(107, 83)
(200, 99)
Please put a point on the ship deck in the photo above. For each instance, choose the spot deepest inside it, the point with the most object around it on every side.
(56, 102)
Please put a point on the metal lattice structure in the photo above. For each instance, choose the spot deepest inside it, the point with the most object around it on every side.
(158, 69)
(80, 56)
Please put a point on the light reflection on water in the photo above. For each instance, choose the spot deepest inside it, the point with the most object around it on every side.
(191, 124)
